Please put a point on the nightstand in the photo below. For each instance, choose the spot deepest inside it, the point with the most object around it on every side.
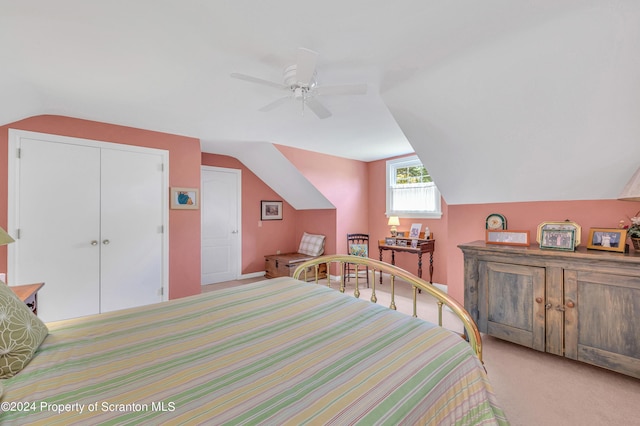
(28, 293)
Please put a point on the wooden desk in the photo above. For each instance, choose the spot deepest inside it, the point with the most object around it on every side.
(28, 293)
(424, 246)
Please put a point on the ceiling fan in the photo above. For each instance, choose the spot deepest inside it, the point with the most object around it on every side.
(299, 80)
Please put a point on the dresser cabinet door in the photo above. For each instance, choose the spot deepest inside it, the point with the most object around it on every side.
(602, 320)
(511, 300)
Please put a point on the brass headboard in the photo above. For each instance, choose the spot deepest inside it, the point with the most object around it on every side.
(472, 334)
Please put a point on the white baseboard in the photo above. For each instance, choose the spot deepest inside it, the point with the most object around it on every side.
(252, 275)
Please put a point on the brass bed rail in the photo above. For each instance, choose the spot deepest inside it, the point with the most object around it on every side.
(472, 334)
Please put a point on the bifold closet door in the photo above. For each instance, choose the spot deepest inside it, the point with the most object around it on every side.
(130, 229)
(59, 225)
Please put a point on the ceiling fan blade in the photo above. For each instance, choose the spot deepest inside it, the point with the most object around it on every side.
(258, 80)
(318, 109)
(306, 66)
(274, 104)
(345, 89)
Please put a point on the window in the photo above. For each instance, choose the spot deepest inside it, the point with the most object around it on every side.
(410, 190)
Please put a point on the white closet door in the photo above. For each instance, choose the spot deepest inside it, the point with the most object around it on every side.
(59, 218)
(131, 229)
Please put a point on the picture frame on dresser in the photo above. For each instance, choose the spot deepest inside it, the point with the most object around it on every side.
(509, 238)
(607, 239)
(558, 239)
(553, 225)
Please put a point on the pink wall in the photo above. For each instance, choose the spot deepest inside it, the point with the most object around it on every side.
(184, 164)
(379, 229)
(273, 235)
(465, 223)
(345, 184)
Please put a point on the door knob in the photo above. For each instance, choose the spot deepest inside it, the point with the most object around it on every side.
(94, 242)
(105, 242)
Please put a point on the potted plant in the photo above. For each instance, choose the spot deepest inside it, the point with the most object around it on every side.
(633, 231)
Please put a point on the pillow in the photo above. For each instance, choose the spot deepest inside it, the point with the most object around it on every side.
(361, 250)
(21, 333)
(311, 245)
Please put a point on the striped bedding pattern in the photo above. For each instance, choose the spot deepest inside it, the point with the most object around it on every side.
(275, 352)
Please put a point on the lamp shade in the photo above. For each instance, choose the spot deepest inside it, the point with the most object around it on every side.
(4, 237)
(393, 221)
(631, 191)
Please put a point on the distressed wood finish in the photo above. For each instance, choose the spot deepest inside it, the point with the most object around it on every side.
(284, 265)
(583, 305)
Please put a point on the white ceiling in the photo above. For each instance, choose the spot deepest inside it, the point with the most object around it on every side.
(503, 100)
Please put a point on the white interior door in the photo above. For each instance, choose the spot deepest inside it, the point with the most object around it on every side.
(58, 227)
(221, 236)
(131, 229)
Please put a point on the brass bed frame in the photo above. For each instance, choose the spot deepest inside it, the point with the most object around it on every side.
(472, 334)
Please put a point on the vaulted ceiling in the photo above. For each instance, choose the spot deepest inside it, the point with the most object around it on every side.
(502, 100)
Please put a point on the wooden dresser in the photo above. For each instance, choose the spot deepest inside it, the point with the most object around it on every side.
(28, 293)
(583, 305)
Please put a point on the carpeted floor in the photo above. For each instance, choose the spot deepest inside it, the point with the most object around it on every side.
(533, 388)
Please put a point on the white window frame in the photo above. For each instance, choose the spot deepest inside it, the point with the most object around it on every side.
(413, 160)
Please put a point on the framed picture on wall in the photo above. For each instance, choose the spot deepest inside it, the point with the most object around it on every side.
(185, 198)
(270, 210)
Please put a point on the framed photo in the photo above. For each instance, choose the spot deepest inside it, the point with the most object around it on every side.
(414, 243)
(558, 239)
(401, 243)
(185, 198)
(577, 229)
(608, 239)
(401, 234)
(270, 210)
(415, 230)
(389, 241)
(509, 238)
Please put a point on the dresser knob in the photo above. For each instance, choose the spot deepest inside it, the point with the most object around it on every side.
(539, 299)
(570, 304)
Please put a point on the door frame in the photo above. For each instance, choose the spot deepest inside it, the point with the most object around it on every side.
(238, 174)
(13, 169)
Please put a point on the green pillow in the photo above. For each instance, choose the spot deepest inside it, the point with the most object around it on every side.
(21, 333)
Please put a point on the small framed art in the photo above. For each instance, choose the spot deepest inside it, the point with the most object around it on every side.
(270, 210)
(185, 198)
(415, 230)
(558, 239)
(509, 238)
(608, 239)
(389, 241)
(567, 224)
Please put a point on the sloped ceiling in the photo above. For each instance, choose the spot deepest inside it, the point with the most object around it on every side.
(502, 100)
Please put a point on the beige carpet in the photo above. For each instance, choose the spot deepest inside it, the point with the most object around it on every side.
(533, 388)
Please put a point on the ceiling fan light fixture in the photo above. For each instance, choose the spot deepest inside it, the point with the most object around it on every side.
(300, 80)
(290, 78)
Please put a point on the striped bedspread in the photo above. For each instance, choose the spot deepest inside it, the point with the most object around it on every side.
(275, 352)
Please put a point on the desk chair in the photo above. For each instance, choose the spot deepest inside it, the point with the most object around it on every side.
(357, 245)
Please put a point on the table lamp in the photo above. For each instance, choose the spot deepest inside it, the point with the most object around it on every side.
(631, 191)
(393, 222)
